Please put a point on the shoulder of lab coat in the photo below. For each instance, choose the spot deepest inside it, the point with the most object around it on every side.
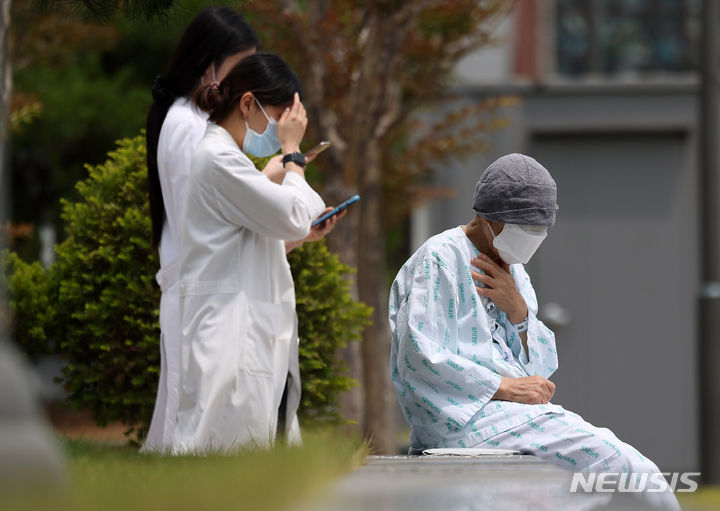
(247, 198)
(181, 132)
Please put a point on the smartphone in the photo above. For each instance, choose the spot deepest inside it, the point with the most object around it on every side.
(351, 200)
(312, 153)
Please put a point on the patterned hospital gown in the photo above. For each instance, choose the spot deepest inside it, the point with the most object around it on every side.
(451, 346)
(450, 349)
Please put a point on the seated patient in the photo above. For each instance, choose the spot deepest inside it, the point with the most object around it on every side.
(470, 359)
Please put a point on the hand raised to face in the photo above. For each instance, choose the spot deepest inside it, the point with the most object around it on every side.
(291, 126)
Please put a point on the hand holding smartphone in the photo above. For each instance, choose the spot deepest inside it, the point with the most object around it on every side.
(312, 153)
(335, 211)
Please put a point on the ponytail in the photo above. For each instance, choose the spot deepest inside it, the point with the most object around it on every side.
(265, 75)
(163, 99)
(213, 97)
(213, 35)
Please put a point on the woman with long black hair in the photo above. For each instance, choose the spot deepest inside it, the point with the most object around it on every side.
(214, 41)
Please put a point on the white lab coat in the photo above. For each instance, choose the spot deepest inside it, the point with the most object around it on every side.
(182, 130)
(239, 336)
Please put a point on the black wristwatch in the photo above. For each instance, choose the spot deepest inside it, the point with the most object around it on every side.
(297, 158)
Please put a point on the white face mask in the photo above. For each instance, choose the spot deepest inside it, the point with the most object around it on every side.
(518, 243)
(265, 143)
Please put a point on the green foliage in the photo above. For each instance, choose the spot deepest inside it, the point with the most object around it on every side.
(99, 301)
(104, 9)
(86, 85)
(31, 300)
(328, 318)
(80, 118)
(107, 298)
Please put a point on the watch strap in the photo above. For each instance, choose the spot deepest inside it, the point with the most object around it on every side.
(297, 158)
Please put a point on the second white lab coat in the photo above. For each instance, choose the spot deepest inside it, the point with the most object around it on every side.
(182, 130)
(238, 324)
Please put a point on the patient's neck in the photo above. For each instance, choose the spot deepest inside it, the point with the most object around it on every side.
(478, 232)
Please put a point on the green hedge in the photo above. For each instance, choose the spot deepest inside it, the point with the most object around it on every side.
(30, 298)
(97, 305)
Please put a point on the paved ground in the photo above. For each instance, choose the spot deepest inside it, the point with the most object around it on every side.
(424, 483)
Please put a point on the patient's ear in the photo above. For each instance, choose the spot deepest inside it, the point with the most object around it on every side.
(496, 227)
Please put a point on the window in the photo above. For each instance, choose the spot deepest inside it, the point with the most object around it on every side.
(627, 36)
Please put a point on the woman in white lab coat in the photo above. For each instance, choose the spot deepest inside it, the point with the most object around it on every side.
(239, 343)
(212, 44)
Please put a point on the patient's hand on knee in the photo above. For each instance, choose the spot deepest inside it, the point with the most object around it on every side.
(531, 390)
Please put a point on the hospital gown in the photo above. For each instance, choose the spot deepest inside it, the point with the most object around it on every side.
(450, 349)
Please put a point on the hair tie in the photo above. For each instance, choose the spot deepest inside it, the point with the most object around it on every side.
(215, 87)
(161, 91)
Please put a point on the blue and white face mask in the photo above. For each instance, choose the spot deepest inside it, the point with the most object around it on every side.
(265, 144)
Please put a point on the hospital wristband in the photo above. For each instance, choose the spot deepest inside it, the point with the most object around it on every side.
(522, 326)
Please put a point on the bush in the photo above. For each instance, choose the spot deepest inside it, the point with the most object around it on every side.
(107, 308)
(31, 302)
(104, 320)
(327, 317)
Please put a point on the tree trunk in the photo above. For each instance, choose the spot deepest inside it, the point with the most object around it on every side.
(5, 94)
(379, 398)
(5, 90)
(343, 243)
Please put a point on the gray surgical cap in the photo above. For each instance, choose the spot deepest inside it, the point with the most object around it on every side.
(516, 189)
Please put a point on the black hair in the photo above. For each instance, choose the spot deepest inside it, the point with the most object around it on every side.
(265, 75)
(213, 35)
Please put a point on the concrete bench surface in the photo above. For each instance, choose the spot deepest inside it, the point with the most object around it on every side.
(455, 483)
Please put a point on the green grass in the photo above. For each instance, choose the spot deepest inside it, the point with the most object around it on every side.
(110, 477)
(706, 498)
(107, 478)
